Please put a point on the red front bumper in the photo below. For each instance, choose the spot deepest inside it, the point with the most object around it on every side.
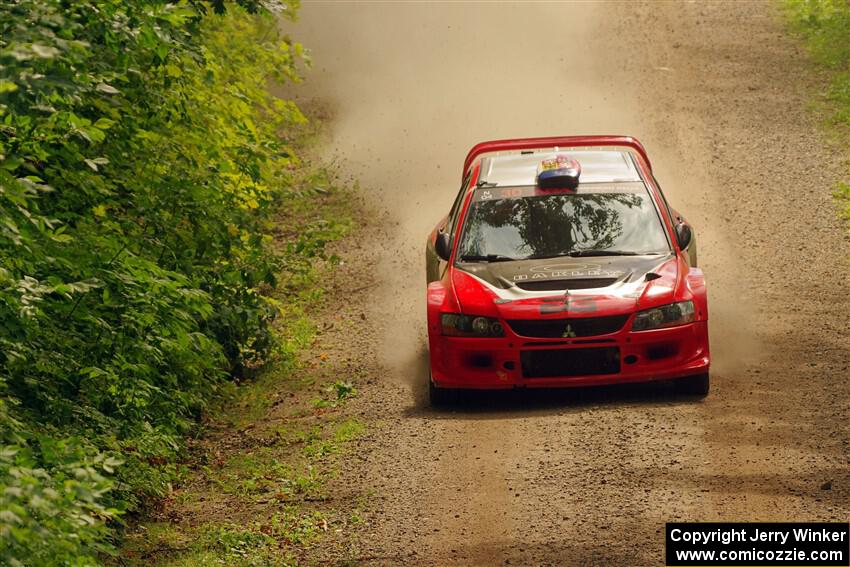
(643, 356)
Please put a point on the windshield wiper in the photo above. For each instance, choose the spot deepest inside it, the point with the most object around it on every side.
(545, 256)
(604, 252)
(591, 252)
(486, 258)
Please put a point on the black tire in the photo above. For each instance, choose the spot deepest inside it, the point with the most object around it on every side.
(696, 385)
(441, 397)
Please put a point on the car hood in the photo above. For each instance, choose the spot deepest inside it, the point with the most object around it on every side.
(568, 287)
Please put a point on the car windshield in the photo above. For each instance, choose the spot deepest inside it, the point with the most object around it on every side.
(523, 223)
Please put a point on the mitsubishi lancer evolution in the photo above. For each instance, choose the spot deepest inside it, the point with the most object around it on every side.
(561, 264)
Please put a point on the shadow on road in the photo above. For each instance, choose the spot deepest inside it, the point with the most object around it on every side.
(499, 404)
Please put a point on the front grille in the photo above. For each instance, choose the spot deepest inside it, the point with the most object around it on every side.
(570, 362)
(574, 283)
(568, 328)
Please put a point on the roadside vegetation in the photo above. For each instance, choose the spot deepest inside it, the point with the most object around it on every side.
(255, 487)
(144, 168)
(824, 26)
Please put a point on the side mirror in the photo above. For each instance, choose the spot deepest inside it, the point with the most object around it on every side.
(683, 235)
(443, 246)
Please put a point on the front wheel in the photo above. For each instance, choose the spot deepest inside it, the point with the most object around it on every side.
(696, 385)
(441, 397)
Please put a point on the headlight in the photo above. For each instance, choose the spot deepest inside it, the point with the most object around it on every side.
(664, 316)
(456, 325)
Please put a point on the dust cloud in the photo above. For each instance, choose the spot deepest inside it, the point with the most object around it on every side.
(412, 86)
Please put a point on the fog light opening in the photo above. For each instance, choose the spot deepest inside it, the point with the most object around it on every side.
(630, 359)
(658, 352)
(481, 361)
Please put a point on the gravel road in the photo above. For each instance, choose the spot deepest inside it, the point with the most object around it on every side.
(719, 95)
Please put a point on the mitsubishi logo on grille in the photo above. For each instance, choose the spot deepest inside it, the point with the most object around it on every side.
(568, 332)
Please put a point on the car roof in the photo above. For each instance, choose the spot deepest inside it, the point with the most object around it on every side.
(597, 166)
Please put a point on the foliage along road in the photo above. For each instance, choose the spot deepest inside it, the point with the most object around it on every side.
(718, 93)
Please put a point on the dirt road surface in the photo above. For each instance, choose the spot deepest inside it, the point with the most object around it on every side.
(719, 96)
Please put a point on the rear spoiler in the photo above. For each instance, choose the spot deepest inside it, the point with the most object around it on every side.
(556, 141)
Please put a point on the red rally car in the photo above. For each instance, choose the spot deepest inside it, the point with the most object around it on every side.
(561, 264)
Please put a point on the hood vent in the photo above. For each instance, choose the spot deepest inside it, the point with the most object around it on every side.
(557, 285)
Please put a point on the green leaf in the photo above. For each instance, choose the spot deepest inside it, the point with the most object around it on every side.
(92, 134)
(108, 89)
(44, 51)
(104, 123)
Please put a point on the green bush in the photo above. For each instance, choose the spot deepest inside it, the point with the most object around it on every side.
(140, 156)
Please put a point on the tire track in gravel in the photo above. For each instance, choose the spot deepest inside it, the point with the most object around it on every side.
(718, 94)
